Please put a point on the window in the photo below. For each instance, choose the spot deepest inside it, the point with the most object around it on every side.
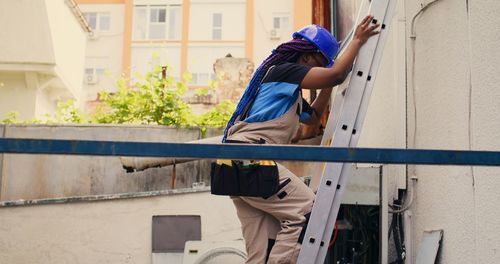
(98, 71)
(98, 21)
(157, 22)
(89, 71)
(104, 21)
(202, 78)
(91, 19)
(174, 22)
(140, 22)
(199, 78)
(150, 22)
(217, 26)
(280, 21)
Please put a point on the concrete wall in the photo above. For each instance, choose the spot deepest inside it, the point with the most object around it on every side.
(114, 231)
(453, 104)
(45, 176)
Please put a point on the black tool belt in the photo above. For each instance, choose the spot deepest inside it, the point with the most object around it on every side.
(255, 178)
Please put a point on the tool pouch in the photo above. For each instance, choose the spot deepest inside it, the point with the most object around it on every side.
(244, 178)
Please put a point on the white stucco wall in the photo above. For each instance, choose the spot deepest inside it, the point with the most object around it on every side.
(20, 97)
(115, 231)
(26, 26)
(485, 123)
(456, 94)
(68, 40)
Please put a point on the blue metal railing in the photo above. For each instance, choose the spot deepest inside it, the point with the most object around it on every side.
(245, 151)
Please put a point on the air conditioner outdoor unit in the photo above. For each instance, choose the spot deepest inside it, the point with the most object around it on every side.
(212, 252)
(93, 35)
(274, 34)
(91, 79)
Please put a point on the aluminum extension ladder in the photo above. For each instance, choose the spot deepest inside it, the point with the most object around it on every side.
(343, 130)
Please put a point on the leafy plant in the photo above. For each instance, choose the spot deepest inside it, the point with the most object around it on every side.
(11, 117)
(154, 98)
(217, 116)
(68, 112)
(151, 100)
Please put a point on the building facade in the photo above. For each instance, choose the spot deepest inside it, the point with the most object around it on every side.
(186, 35)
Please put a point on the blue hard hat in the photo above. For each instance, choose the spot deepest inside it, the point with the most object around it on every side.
(322, 39)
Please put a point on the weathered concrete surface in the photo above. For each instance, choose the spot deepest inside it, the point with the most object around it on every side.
(115, 231)
(456, 101)
(46, 176)
(234, 74)
(139, 163)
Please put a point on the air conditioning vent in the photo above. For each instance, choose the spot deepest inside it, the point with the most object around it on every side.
(274, 34)
(91, 79)
(93, 35)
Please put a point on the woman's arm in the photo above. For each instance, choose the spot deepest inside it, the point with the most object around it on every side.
(319, 105)
(326, 78)
(320, 78)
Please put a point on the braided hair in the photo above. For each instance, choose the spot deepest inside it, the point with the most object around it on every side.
(287, 52)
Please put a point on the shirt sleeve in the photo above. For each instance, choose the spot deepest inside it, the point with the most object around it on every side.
(287, 72)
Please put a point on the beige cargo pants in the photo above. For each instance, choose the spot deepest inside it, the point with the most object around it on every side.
(280, 217)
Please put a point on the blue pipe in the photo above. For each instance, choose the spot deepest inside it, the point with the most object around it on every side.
(246, 151)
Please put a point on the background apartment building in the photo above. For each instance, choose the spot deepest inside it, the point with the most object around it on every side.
(186, 35)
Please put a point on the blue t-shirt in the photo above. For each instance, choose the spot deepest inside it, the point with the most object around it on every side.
(278, 92)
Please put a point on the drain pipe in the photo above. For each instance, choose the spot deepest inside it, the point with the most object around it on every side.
(2, 128)
(408, 224)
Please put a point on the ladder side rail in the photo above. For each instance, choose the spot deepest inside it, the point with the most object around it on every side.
(347, 169)
(318, 167)
(384, 36)
(343, 170)
(338, 99)
(335, 108)
(328, 186)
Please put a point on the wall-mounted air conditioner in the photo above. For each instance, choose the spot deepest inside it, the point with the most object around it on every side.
(274, 34)
(91, 78)
(93, 35)
(214, 252)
